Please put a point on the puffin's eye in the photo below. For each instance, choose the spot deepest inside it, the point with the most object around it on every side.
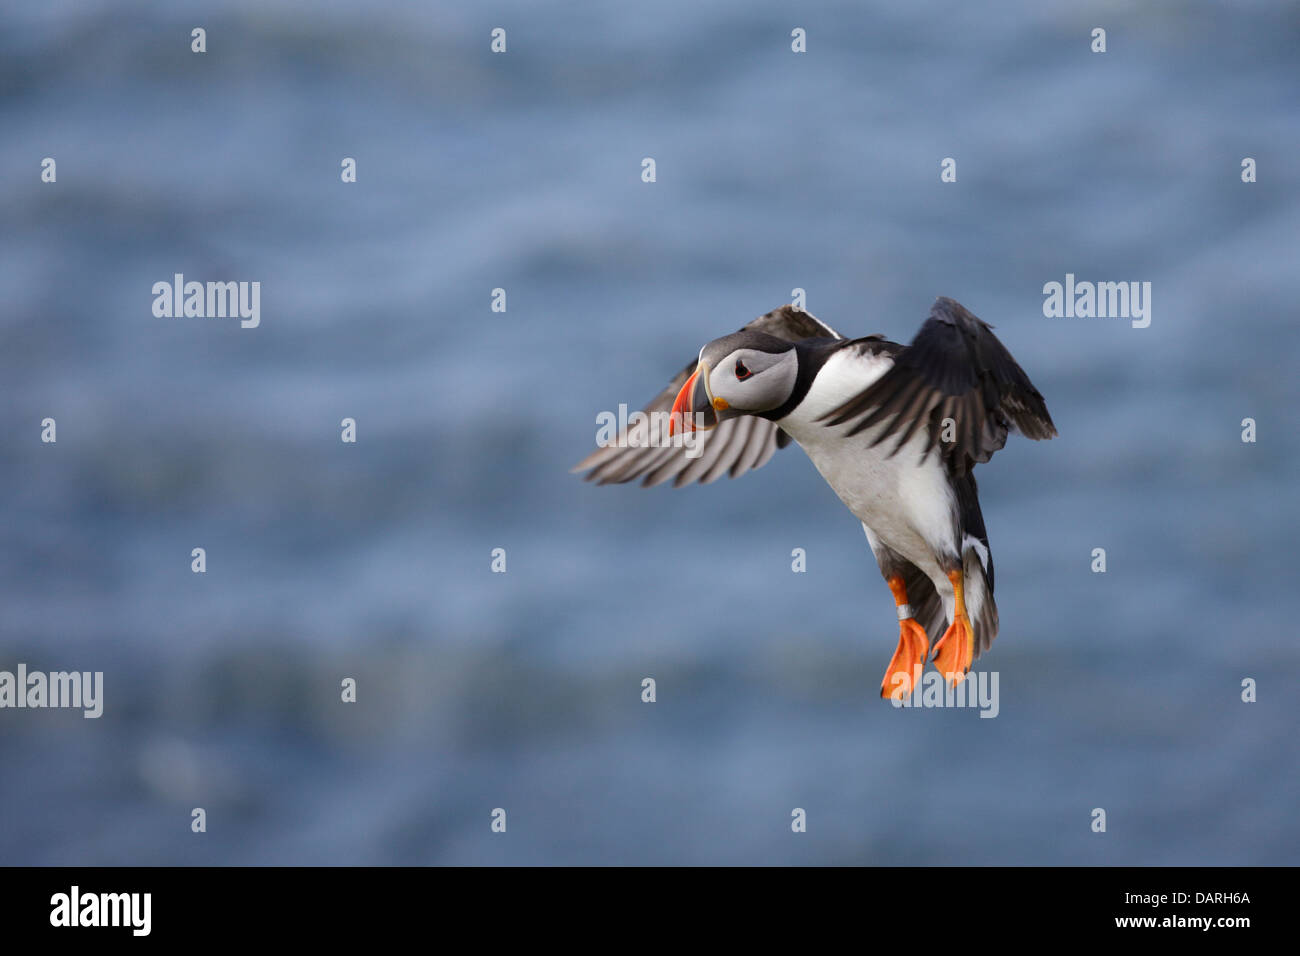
(742, 372)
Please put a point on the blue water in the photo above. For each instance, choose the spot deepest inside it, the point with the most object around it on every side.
(521, 690)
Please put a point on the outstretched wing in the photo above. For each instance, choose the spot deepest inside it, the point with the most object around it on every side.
(954, 369)
(737, 445)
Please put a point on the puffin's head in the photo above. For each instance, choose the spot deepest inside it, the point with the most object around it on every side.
(744, 373)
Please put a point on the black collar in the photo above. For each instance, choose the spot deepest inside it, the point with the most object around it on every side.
(812, 354)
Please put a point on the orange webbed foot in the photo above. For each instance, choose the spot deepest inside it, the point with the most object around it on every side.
(955, 651)
(904, 673)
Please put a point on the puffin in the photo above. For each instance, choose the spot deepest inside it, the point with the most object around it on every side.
(895, 430)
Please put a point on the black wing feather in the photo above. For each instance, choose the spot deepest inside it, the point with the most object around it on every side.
(955, 368)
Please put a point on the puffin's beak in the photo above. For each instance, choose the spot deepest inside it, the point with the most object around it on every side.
(694, 399)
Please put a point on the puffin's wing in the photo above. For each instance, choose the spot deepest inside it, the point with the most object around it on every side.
(955, 369)
(735, 446)
(793, 325)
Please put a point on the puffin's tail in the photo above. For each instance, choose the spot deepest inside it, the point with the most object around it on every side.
(980, 606)
(977, 566)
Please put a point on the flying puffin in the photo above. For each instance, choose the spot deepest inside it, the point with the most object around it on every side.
(896, 432)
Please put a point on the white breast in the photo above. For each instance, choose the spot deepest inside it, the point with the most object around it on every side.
(909, 506)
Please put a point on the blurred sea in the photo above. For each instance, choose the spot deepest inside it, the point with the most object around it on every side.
(522, 171)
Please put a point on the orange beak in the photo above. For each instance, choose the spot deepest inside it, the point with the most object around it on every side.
(693, 400)
(684, 401)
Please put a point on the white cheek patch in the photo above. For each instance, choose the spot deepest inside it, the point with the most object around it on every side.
(774, 385)
(767, 387)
